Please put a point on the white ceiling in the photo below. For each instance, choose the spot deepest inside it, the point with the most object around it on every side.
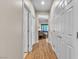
(39, 7)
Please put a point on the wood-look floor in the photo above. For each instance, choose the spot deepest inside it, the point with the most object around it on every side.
(41, 51)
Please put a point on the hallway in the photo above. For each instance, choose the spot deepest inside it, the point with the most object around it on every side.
(22, 20)
(57, 19)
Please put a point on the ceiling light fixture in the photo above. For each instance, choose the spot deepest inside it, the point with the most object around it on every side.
(42, 2)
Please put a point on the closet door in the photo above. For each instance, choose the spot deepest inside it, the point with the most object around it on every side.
(33, 31)
(64, 35)
(30, 32)
(25, 30)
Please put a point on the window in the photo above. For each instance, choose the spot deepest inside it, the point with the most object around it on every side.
(44, 27)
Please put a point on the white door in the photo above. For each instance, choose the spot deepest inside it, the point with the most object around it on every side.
(25, 29)
(32, 31)
(63, 29)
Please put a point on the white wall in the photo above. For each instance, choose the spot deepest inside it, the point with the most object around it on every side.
(10, 29)
(42, 13)
(29, 5)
